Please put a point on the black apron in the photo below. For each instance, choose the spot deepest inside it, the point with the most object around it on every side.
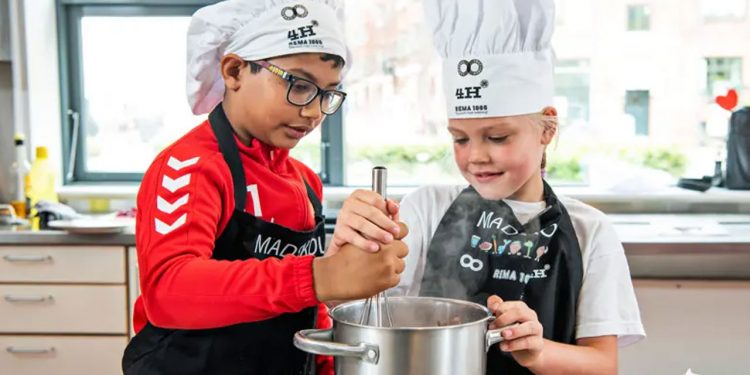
(263, 347)
(480, 249)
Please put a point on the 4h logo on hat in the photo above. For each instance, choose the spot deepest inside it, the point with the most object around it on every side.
(290, 13)
(473, 67)
(469, 92)
(303, 36)
(302, 32)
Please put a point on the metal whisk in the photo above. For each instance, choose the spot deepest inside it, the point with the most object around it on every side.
(380, 309)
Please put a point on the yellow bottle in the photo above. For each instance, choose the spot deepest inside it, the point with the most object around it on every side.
(20, 173)
(41, 183)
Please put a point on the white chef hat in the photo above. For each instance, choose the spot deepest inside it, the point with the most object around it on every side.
(497, 58)
(256, 30)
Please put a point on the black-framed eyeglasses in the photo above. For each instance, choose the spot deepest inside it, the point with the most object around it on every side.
(302, 92)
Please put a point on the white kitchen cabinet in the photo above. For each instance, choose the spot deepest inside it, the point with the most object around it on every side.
(62, 264)
(701, 325)
(74, 309)
(61, 355)
(60, 304)
(4, 31)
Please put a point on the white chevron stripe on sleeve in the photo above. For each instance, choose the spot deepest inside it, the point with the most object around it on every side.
(174, 185)
(165, 228)
(178, 164)
(164, 206)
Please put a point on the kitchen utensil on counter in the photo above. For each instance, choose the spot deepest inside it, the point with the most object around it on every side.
(48, 211)
(429, 335)
(378, 309)
(8, 216)
(697, 184)
(706, 182)
(91, 225)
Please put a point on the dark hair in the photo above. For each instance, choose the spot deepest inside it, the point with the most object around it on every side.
(338, 62)
(254, 68)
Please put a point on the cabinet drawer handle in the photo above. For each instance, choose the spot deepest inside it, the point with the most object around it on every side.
(28, 258)
(14, 350)
(29, 299)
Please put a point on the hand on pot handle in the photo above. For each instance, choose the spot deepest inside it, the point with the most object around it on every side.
(352, 273)
(524, 341)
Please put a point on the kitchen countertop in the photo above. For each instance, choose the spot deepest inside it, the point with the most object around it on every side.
(725, 231)
(339, 193)
(657, 246)
(706, 247)
(635, 231)
(24, 236)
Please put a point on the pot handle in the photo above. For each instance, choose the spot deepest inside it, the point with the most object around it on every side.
(494, 336)
(320, 341)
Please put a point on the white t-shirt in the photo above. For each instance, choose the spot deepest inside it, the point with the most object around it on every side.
(606, 303)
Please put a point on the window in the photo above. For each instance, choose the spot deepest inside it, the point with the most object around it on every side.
(124, 92)
(636, 105)
(572, 86)
(631, 110)
(639, 17)
(722, 74)
(723, 10)
(633, 113)
(395, 112)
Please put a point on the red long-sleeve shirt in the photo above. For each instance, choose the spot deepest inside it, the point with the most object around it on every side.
(184, 203)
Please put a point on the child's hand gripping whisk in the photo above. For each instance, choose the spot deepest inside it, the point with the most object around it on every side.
(381, 312)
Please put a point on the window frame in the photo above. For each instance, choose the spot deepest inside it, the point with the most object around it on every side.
(578, 68)
(69, 15)
(634, 11)
(711, 69)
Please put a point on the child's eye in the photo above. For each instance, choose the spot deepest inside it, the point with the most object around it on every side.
(302, 87)
(498, 139)
(460, 141)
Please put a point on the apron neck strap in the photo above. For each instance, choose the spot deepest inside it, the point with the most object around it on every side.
(317, 206)
(228, 147)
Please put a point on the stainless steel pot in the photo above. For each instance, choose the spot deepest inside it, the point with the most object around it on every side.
(432, 336)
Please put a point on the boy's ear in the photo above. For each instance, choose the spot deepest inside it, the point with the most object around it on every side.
(231, 70)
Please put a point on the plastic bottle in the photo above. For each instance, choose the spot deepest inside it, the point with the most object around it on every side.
(41, 183)
(20, 169)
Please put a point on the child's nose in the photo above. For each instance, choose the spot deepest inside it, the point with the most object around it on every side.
(312, 110)
(478, 154)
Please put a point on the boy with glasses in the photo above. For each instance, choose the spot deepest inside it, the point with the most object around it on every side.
(229, 227)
